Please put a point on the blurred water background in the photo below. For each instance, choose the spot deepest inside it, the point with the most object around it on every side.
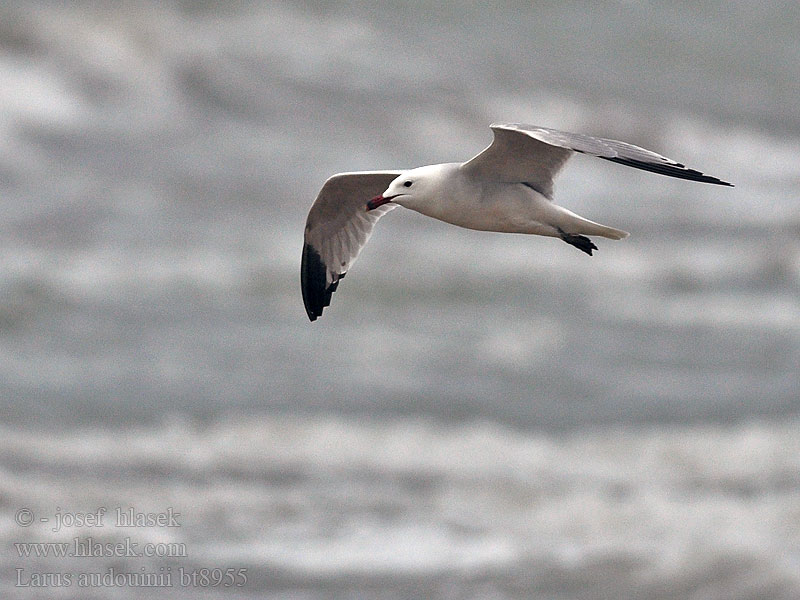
(476, 415)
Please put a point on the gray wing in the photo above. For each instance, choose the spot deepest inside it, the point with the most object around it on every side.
(337, 227)
(535, 155)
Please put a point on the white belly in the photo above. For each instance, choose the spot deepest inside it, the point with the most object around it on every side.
(507, 208)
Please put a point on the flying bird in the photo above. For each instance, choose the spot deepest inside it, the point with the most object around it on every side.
(506, 188)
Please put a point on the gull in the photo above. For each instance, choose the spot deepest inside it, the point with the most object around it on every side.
(506, 188)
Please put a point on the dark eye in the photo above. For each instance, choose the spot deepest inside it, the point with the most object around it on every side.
(407, 183)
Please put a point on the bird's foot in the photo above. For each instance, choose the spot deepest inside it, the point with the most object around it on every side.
(581, 242)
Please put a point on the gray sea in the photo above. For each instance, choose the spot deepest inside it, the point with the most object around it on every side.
(476, 415)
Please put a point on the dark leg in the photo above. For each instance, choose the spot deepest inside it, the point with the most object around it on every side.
(581, 242)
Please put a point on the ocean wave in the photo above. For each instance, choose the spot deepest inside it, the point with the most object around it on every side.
(328, 498)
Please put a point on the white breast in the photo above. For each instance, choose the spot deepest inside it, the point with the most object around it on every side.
(488, 206)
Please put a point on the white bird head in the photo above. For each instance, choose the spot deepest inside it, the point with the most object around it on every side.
(411, 189)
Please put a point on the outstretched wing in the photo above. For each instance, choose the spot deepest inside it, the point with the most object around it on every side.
(534, 155)
(337, 227)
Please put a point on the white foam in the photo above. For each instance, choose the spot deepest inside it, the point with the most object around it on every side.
(417, 497)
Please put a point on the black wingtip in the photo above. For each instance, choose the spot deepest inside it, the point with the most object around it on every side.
(314, 283)
(673, 170)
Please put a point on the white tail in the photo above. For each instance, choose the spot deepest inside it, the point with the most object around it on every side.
(575, 224)
(592, 228)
